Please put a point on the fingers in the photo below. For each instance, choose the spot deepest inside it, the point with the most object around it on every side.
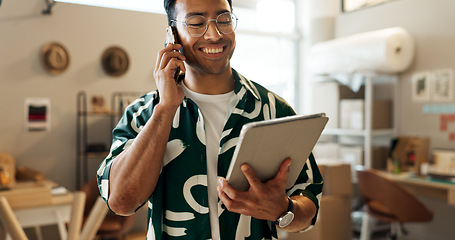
(221, 194)
(232, 199)
(282, 174)
(250, 175)
(263, 200)
(170, 58)
(169, 48)
(227, 189)
(254, 181)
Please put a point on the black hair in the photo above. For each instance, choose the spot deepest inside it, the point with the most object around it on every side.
(169, 6)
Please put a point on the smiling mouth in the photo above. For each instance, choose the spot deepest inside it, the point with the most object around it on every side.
(212, 50)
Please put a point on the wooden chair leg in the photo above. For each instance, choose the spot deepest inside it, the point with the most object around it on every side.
(9, 220)
(94, 220)
(77, 213)
(365, 232)
(39, 233)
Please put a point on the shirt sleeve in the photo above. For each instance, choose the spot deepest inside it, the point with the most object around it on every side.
(123, 135)
(309, 184)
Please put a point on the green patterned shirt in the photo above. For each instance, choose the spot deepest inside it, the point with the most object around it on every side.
(178, 208)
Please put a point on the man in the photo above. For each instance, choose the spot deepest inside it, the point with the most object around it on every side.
(173, 146)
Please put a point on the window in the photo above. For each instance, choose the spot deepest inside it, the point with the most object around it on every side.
(134, 5)
(267, 43)
(267, 40)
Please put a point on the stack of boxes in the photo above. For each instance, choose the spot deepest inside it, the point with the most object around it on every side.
(337, 160)
(334, 217)
(353, 114)
(346, 110)
(327, 97)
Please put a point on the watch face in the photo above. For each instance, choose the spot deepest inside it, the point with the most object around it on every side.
(286, 219)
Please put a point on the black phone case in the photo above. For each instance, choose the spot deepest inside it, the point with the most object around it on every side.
(172, 37)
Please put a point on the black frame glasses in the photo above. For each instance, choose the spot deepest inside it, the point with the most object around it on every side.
(197, 25)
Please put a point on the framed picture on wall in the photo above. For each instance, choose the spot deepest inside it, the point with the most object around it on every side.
(352, 5)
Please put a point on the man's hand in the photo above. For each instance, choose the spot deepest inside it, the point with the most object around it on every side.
(266, 201)
(168, 59)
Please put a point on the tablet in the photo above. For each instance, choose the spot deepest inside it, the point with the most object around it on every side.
(264, 145)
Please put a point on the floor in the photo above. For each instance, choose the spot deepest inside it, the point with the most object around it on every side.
(376, 236)
(356, 236)
(380, 234)
(136, 236)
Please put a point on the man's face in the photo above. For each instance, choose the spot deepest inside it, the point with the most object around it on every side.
(211, 52)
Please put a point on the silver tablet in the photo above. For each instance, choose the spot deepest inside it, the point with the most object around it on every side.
(264, 145)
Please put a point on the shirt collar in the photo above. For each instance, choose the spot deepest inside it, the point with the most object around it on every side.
(240, 81)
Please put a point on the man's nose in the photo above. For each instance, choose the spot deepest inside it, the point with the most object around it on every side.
(213, 33)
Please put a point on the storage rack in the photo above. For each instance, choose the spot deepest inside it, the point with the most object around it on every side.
(119, 101)
(368, 134)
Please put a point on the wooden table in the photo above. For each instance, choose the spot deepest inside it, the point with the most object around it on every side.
(425, 187)
(35, 205)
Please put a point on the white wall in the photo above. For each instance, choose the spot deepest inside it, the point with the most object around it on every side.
(432, 25)
(86, 32)
(316, 24)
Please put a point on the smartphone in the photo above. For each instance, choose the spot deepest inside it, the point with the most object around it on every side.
(172, 37)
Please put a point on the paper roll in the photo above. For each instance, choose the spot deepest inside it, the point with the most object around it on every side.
(387, 51)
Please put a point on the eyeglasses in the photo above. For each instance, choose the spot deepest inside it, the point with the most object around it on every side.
(197, 25)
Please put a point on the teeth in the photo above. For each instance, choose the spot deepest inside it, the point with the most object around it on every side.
(212, 50)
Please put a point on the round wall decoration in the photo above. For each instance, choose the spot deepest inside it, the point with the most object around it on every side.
(115, 61)
(55, 58)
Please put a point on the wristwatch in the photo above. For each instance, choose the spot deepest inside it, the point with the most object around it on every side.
(287, 217)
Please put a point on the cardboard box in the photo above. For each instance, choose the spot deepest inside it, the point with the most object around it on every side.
(326, 98)
(337, 178)
(334, 216)
(29, 194)
(355, 155)
(326, 150)
(410, 152)
(353, 114)
(443, 163)
(7, 170)
(333, 223)
(352, 155)
(379, 157)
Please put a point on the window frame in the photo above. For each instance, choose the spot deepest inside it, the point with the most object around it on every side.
(295, 36)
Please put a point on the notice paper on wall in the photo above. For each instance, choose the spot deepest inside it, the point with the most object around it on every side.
(436, 89)
(442, 88)
(433, 86)
(37, 114)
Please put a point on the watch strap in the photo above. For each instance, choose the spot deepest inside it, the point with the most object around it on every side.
(290, 208)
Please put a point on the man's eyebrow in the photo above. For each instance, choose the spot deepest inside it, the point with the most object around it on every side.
(194, 14)
(222, 11)
(204, 13)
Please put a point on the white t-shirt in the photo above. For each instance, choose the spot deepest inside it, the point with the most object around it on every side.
(214, 109)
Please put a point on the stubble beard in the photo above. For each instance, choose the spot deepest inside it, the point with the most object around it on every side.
(214, 67)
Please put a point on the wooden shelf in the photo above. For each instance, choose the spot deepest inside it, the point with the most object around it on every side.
(369, 135)
(84, 116)
(357, 132)
(96, 154)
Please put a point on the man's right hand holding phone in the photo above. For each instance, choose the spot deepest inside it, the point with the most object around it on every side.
(169, 58)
